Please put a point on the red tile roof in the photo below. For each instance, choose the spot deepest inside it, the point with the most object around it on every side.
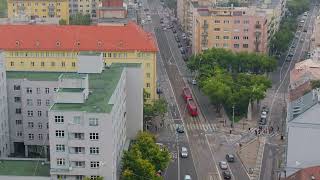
(306, 174)
(76, 38)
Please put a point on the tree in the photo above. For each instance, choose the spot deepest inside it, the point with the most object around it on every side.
(62, 22)
(80, 19)
(127, 174)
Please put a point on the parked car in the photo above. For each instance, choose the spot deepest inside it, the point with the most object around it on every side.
(180, 128)
(226, 175)
(182, 50)
(230, 157)
(263, 121)
(263, 115)
(184, 152)
(194, 82)
(179, 45)
(177, 39)
(223, 165)
(184, 57)
(174, 30)
(187, 177)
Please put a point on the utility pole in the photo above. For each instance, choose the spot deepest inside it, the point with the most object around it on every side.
(232, 116)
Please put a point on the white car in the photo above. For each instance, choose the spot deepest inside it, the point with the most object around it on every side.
(187, 177)
(184, 152)
(143, 21)
(149, 18)
(223, 165)
(263, 115)
(194, 82)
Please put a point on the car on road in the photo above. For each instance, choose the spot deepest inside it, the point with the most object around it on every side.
(290, 54)
(187, 177)
(182, 50)
(184, 57)
(179, 45)
(174, 30)
(184, 152)
(305, 30)
(302, 21)
(149, 18)
(143, 21)
(194, 82)
(223, 165)
(230, 157)
(265, 108)
(305, 13)
(177, 39)
(263, 121)
(226, 175)
(180, 128)
(146, 9)
(263, 115)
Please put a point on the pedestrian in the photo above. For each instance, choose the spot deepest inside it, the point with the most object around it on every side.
(278, 128)
(271, 129)
(240, 145)
(249, 128)
(256, 132)
(259, 131)
(230, 131)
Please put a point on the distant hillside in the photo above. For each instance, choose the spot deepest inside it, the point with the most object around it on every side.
(3, 8)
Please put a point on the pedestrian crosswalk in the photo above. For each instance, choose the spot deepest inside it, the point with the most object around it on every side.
(202, 126)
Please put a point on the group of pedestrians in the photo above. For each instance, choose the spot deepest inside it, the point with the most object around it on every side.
(263, 130)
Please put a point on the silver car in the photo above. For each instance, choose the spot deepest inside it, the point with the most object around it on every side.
(184, 152)
(223, 165)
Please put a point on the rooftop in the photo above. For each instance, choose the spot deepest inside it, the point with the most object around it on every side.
(23, 168)
(306, 174)
(129, 37)
(101, 87)
(40, 76)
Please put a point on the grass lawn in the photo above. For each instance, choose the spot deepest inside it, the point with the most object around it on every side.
(24, 168)
(3, 8)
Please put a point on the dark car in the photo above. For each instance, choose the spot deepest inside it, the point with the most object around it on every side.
(174, 30)
(180, 129)
(179, 45)
(182, 50)
(177, 39)
(230, 157)
(226, 175)
(184, 57)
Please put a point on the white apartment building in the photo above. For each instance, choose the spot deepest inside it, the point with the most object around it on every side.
(4, 127)
(92, 121)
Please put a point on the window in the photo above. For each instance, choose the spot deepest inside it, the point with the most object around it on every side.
(94, 136)
(18, 122)
(29, 90)
(236, 37)
(61, 177)
(237, 21)
(94, 150)
(29, 102)
(245, 37)
(225, 45)
(16, 87)
(60, 162)
(47, 90)
(217, 21)
(30, 113)
(216, 29)
(18, 111)
(217, 37)
(93, 122)
(47, 125)
(76, 120)
(148, 96)
(148, 75)
(40, 136)
(38, 90)
(40, 125)
(42, 64)
(17, 99)
(79, 163)
(60, 148)
(226, 21)
(148, 65)
(30, 124)
(47, 102)
(236, 45)
(63, 64)
(217, 45)
(246, 22)
(59, 133)
(225, 37)
(73, 64)
(39, 113)
(31, 136)
(79, 136)
(79, 177)
(246, 30)
(11, 63)
(245, 45)
(148, 85)
(94, 164)
(59, 119)
(78, 150)
(19, 133)
(32, 63)
(39, 102)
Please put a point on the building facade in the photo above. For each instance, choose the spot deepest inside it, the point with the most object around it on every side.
(238, 29)
(4, 132)
(29, 99)
(91, 124)
(55, 48)
(39, 9)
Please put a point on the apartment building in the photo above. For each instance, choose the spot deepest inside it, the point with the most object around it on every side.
(4, 131)
(235, 28)
(29, 97)
(92, 121)
(51, 48)
(45, 9)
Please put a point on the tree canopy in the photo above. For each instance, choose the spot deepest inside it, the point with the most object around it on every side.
(232, 79)
(144, 159)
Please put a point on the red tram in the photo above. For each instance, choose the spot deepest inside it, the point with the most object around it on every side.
(192, 107)
(186, 93)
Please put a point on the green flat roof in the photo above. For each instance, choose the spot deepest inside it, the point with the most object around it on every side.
(24, 168)
(42, 76)
(102, 87)
(71, 90)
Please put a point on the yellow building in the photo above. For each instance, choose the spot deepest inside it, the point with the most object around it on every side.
(54, 48)
(42, 9)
